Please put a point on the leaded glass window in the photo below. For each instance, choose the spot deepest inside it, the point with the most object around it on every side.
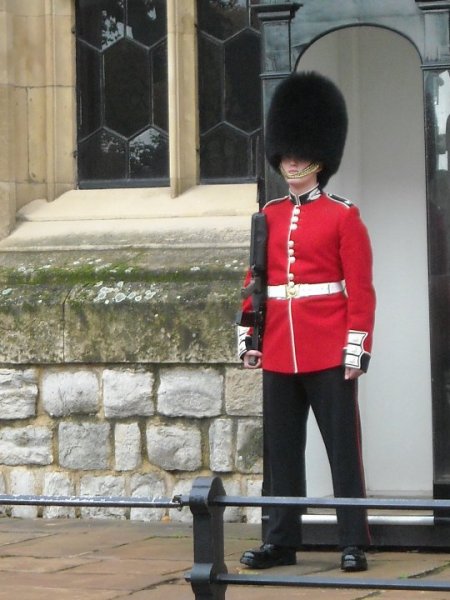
(122, 93)
(229, 90)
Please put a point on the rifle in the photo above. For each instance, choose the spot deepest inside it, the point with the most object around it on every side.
(256, 288)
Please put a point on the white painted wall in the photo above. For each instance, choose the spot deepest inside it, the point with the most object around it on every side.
(383, 173)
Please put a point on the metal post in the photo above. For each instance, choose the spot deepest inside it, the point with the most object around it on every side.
(276, 64)
(208, 539)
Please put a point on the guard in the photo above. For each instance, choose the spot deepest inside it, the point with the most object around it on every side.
(319, 317)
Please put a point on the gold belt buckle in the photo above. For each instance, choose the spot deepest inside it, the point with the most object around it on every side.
(291, 291)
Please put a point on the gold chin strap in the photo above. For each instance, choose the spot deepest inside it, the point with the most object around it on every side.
(311, 168)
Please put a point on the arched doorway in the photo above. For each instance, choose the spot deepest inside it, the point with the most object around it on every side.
(383, 172)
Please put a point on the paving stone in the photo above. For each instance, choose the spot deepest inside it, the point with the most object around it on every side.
(137, 566)
(32, 592)
(122, 560)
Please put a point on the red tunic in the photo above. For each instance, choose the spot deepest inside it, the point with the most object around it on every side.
(321, 241)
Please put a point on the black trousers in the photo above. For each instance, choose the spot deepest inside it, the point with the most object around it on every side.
(286, 403)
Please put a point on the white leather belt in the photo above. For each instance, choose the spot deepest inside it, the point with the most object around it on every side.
(303, 290)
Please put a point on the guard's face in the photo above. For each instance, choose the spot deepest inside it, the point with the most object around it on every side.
(291, 166)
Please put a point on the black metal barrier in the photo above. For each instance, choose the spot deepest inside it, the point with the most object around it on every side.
(92, 501)
(209, 577)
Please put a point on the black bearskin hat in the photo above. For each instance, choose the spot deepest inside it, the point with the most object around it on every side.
(307, 119)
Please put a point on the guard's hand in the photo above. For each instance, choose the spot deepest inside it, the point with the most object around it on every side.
(351, 373)
(252, 359)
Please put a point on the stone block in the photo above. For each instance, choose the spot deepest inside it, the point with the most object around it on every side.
(32, 323)
(5, 116)
(65, 133)
(253, 515)
(232, 514)
(149, 486)
(37, 134)
(127, 446)
(27, 8)
(103, 486)
(84, 446)
(64, 58)
(243, 392)
(249, 449)
(58, 484)
(18, 393)
(62, 7)
(127, 393)
(190, 393)
(71, 392)
(221, 445)
(19, 150)
(174, 447)
(23, 482)
(169, 322)
(7, 208)
(29, 36)
(3, 508)
(25, 446)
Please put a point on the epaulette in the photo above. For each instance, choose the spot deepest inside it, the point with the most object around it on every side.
(340, 199)
(275, 201)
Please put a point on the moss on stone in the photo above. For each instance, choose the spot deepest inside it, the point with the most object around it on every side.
(159, 265)
(129, 306)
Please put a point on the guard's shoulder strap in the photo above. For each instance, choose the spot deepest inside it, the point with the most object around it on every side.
(341, 200)
(276, 201)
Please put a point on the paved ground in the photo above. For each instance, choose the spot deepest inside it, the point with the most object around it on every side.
(105, 560)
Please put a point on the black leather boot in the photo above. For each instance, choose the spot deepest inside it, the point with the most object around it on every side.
(353, 559)
(269, 555)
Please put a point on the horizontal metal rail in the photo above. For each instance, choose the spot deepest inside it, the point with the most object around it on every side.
(95, 501)
(285, 501)
(334, 582)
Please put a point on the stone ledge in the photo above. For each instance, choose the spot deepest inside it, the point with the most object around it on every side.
(224, 200)
(156, 322)
(121, 322)
(172, 300)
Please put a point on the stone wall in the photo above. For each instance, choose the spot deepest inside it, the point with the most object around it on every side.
(140, 430)
(37, 103)
(119, 377)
